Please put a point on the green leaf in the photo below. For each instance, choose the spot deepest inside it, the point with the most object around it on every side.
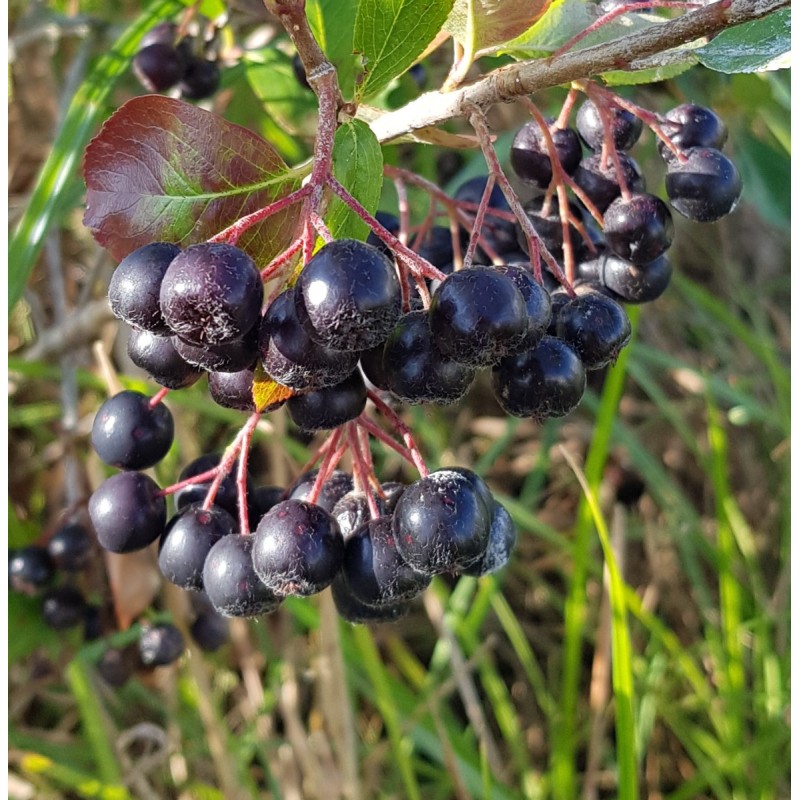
(757, 46)
(566, 19)
(333, 22)
(27, 630)
(653, 75)
(164, 170)
(85, 110)
(271, 76)
(358, 166)
(766, 179)
(390, 35)
(480, 25)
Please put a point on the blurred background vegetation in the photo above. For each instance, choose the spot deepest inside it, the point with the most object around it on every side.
(492, 688)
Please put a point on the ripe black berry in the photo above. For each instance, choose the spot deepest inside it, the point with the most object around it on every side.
(636, 284)
(352, 511)
(29, 569)
(116, 665)
(233, 389)
(441, 523)
(351, 296)
(705, 187)
(291, 356)
(537, 302)
(209, 630)
(227, 494)
(297, 548)
(436, 246)
(328, 408)
(157, 356)
(601, 183)
(159, 66)
(70, 547)
(414, 368)
(500, 234)
(477, 316)
(625, 127)
(63, 608)
(374, 569)
(229, 357)
(187, 540)
(211, 294)
(160, 645)
(129, 433)
(530, 158)
(334, 489)
(546, 222)
(690, 125)
(230, 582)
(127, 512)
(502, 538)
(639, 229)
(547, 381)
(353, 610)
(163, 33)
(201, 79)
(596, 327)
(135, 286)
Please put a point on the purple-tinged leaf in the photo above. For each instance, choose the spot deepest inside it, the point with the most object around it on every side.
(164, 170)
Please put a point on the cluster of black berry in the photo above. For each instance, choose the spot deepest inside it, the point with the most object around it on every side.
(165, 61)
(33, 570)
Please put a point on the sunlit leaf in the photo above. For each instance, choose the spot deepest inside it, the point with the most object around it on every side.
(164, 170)
(267, 393)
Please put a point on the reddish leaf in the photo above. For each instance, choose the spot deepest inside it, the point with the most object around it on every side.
(268, 394)
(164, 170)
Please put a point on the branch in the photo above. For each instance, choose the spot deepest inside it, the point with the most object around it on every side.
(508, 83)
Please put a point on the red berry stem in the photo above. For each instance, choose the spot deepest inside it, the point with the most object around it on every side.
(281, 260)
(158, 397)
(370, 427)
(477, 225)
(617, 12)
(241, 475)
(333, 456)
(402, 429)
(208, 475)
(360, 469)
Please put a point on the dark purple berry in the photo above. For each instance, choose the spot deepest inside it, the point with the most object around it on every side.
(163, 33)
(297, 549)
(502, 538)
(436, 246)
(351, 609)
(230, 582)
(233, 389)
(530, 158)
(625, 128)
(29, 569)
(63, 608)
(537, 302)
(229, 357)
(334, 489)
(690, 125)
(187, 540)
(130, 433)
(211, 294)
(477, 316)
(116, 665)
(639, 229)
(352, 511)
(415, 369)
(328, 408)
(261, 500)
(70, 547)
(157, 356)
(601, 183)
(160, 645)
(546, 222)
(499, 234)
(227, 496)
(441, 523)
(351, 296)
(200, 79)
(92, 623)
(374, 569)
(636, 284)
(209, 630)
(548, 381)
(291, 356)
(392, 224)
(705, 187)
(135, 286)
(596, 327)
(127, 512)
(159, 66)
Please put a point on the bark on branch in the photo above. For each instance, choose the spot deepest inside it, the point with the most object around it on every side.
(507, 83)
